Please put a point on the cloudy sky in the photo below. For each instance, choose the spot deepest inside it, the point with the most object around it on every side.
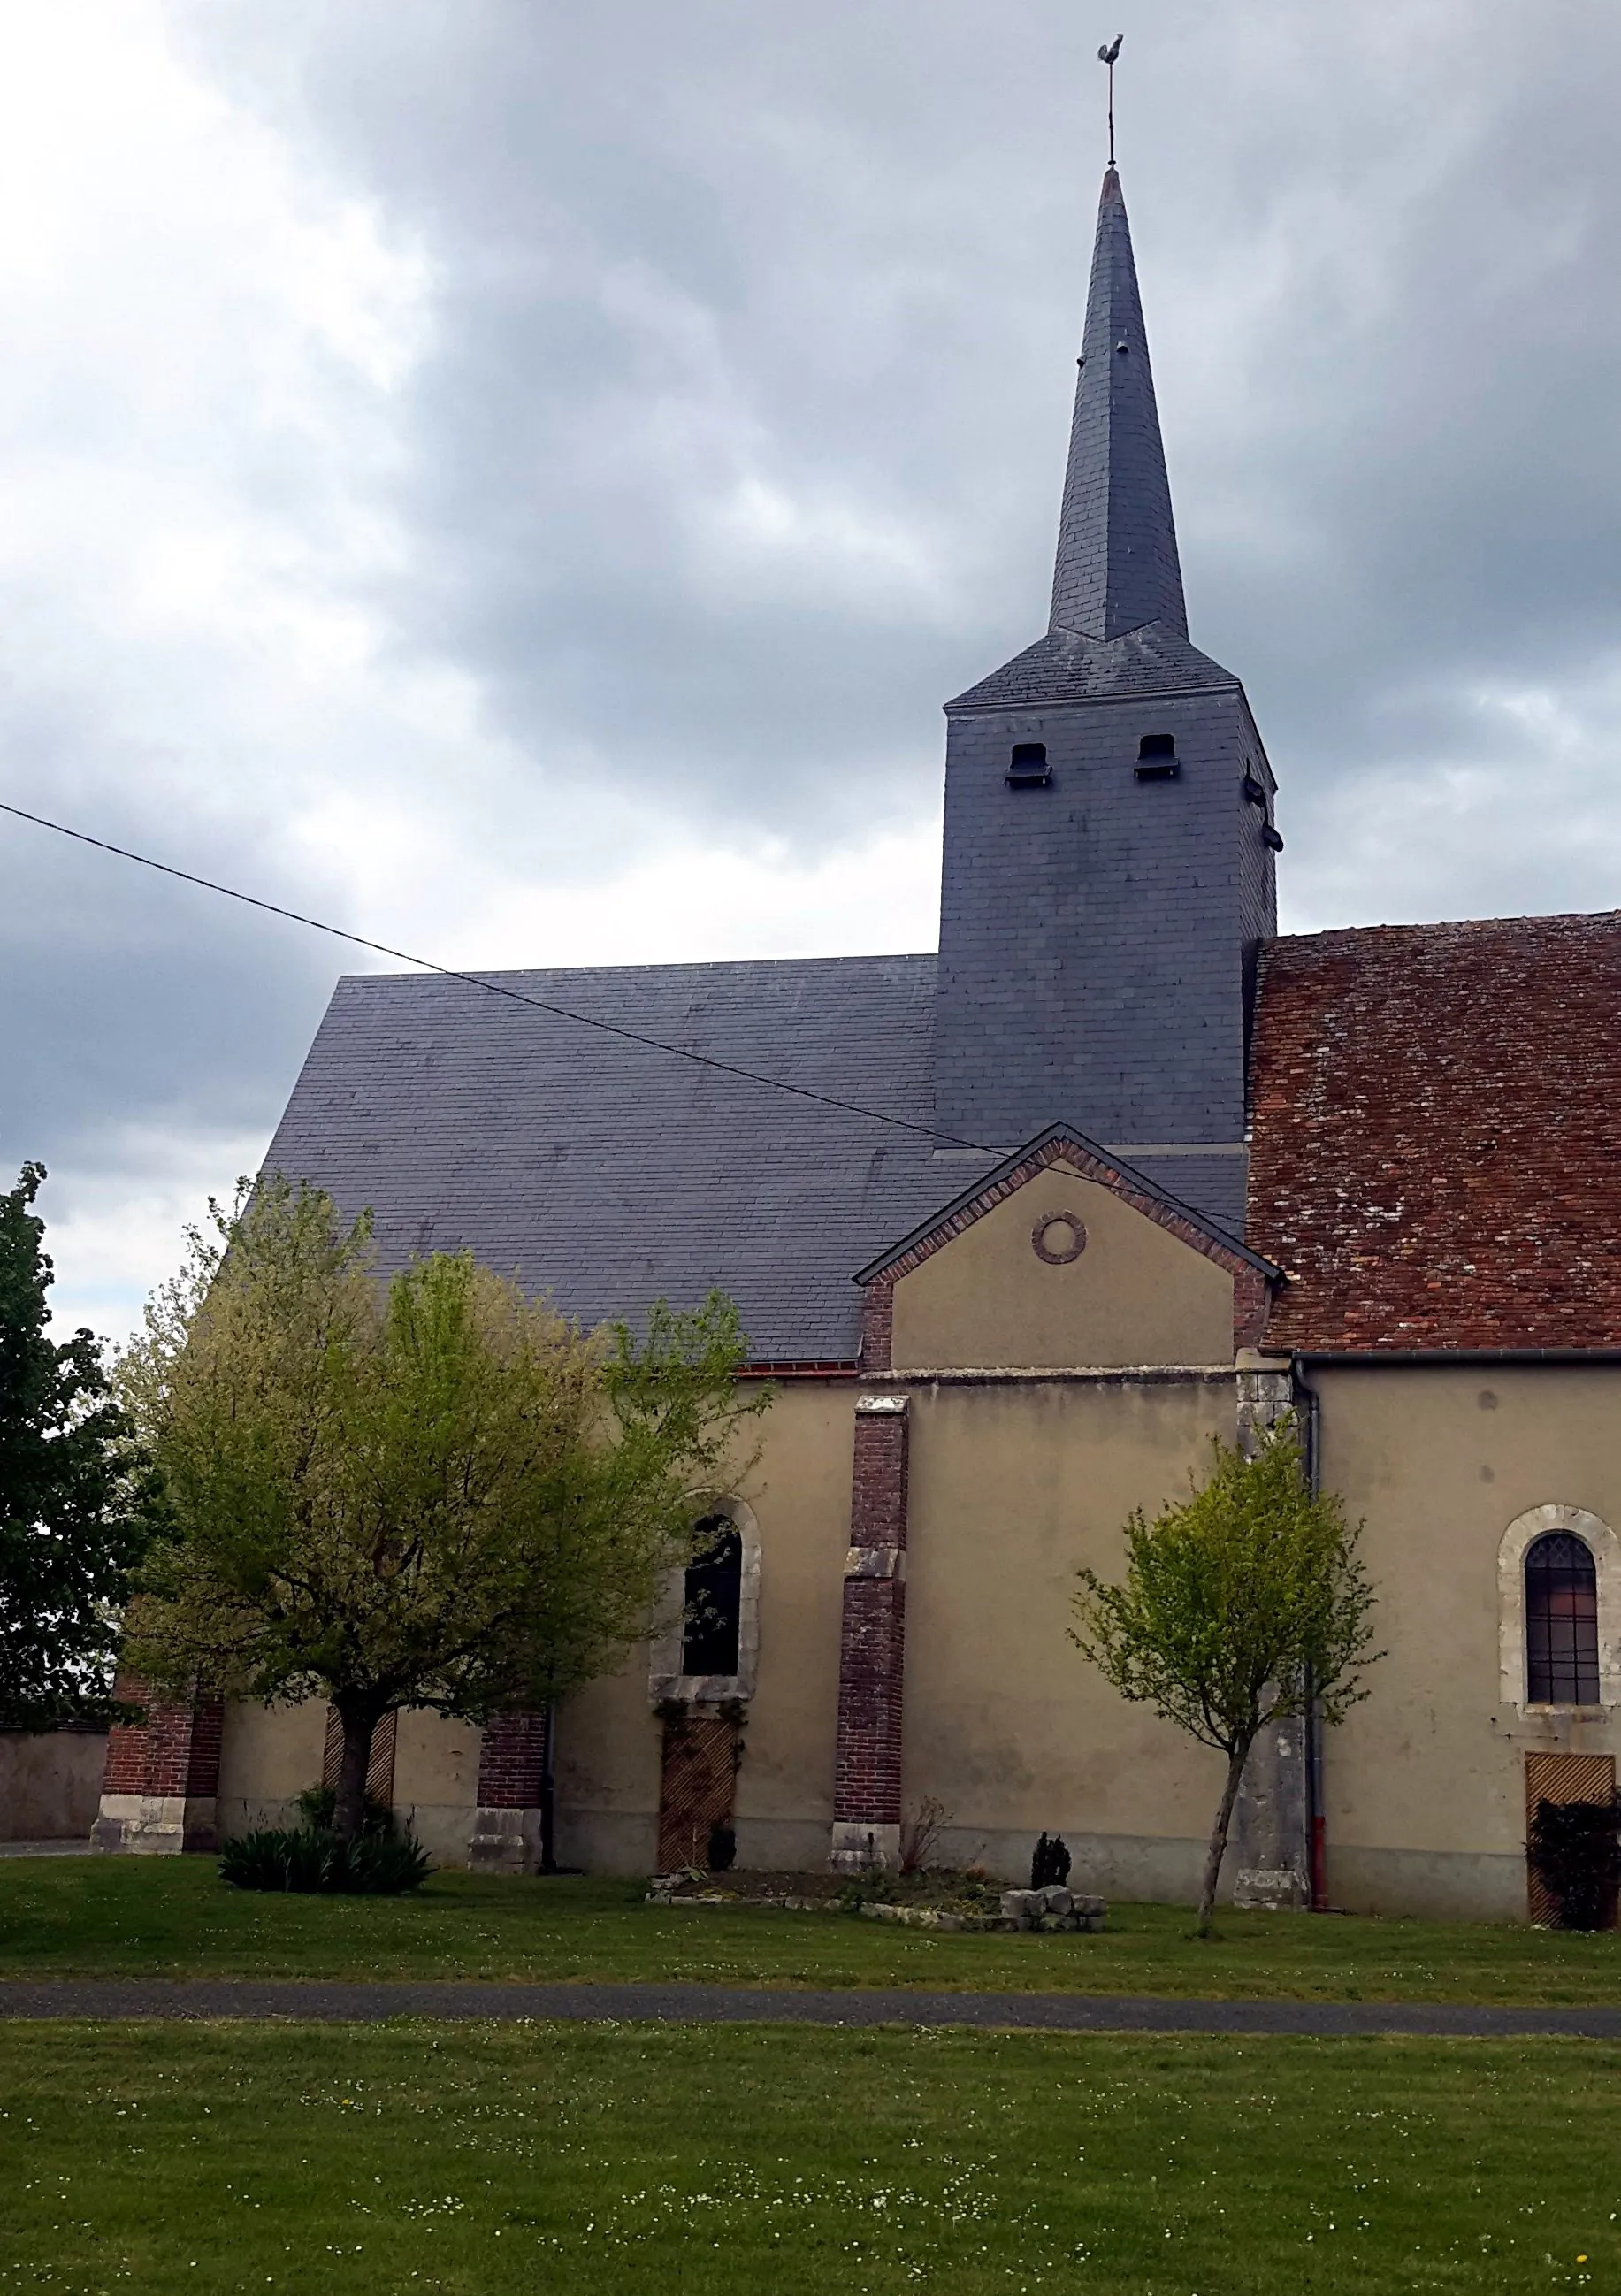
(520, 478)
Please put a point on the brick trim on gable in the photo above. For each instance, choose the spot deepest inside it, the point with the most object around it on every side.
(878, 1325)
(1252, 1297)
(1252, 1277)
(803, 1367)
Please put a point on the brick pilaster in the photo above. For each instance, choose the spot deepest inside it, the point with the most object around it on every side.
(871, 1652)
(510, 1761)
(160, 1785)
(506, 1835)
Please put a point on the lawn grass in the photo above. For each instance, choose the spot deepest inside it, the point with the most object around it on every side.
(173, 1917)
(711, 2160)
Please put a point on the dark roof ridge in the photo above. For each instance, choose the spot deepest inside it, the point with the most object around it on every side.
(664, 966)
(1445, 925)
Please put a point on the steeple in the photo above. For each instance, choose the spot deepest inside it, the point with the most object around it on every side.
(1107, 870)
(1117, 567)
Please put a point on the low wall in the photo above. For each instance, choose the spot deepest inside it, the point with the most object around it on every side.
(50, 1785)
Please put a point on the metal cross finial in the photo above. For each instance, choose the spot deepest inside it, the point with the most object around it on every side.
(1107, 55)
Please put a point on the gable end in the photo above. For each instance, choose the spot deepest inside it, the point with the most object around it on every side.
(1253, 1277)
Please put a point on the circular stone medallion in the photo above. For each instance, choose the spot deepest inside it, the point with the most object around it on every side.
(1058, 1238)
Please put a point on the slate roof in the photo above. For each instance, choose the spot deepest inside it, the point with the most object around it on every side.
(608, 1174)
(1065, 667)
(1119, 625)
(1117, 567)
(1437, 1150)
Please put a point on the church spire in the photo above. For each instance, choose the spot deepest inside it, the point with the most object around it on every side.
(1117, 567)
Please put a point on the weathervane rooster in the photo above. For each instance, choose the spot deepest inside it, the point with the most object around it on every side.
(1107, 55)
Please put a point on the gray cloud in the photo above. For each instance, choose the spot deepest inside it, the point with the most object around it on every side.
(837, 257)
(681, 422)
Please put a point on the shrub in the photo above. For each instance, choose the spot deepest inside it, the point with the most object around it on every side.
(383, 1866)
(1575, 1850)
(919, 1832)
(317, 1805)
(308, 1860)
(723, 1848)
(270, 1859)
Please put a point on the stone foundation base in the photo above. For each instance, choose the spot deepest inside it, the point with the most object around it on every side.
(504, 1842)
(858, 1848)
(1273, 1889)
(156, 1825)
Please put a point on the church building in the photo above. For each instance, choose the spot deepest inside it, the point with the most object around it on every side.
(1116, 1171)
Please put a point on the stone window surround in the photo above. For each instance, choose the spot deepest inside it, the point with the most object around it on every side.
(665, 1677)
(1521, 1535)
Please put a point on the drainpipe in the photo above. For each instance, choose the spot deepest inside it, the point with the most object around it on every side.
(1316, 1825)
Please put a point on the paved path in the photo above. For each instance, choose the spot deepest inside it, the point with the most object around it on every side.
(1053, 2012)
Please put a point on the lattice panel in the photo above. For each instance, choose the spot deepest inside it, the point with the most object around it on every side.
(379, 1769)
(1560, 1778)
(698, 1778)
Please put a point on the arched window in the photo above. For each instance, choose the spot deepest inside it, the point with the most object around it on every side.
(1562, 1622)
(712, 1617)
(704, 1649)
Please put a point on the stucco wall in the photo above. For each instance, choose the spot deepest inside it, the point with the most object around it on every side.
(608, 1738)
(1136, 1295)
(50, 1786)
(267, 1754)
(1015, 1483)
(1014, 1487)
(436, 1782)
(1424, 1784)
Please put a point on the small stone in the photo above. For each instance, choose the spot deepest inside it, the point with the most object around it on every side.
(1082, 1904)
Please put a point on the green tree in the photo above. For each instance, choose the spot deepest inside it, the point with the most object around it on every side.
(1240, 1606)
(435, 1493)
(75, 1507)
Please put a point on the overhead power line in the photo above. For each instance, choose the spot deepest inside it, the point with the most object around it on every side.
(498, 988)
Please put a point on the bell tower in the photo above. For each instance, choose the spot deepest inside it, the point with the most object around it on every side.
(1108, 855)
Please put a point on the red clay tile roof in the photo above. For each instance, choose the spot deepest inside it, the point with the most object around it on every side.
(1437, 1154)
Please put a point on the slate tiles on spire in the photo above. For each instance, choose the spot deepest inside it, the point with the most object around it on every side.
(1064, 667)
(1120, 624)
(1118, 567)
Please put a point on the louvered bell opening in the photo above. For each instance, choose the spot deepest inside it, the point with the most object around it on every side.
(1028, 768)
(1157, 759)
